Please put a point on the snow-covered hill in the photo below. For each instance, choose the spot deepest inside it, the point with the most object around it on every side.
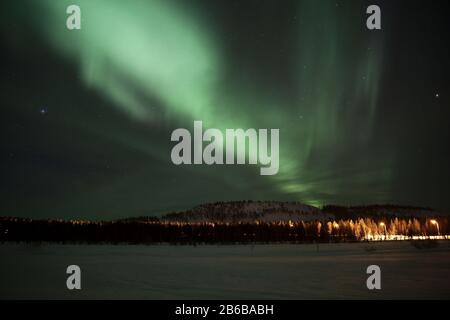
(273, 211)
(249, 211)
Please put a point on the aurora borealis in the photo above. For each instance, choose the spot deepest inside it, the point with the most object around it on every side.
(87, 114)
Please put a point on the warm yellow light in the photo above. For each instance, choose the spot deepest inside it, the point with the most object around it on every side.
(336, 225)
(433, 221)
(382, 224)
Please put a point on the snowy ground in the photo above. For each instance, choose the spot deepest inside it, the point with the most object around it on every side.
(226, 272)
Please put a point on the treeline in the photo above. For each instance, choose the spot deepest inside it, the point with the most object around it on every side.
(355, 212)
(154, 231)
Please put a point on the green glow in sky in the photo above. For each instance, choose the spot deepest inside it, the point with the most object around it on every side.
(155, 50)
(164, 64)
(131, 53)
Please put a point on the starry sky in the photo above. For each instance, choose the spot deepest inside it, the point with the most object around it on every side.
(87, 114)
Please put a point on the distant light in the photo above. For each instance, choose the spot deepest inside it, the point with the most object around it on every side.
(382, 224)
(433, 221)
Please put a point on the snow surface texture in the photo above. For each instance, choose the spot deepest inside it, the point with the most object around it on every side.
(226, 272)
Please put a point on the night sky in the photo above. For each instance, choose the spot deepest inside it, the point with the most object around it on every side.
(87, 114)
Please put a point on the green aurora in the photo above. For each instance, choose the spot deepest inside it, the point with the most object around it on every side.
(139, 69)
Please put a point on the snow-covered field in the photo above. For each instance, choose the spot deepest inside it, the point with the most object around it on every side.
(226, 272)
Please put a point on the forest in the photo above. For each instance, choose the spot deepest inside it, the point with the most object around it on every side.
(153, 231)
